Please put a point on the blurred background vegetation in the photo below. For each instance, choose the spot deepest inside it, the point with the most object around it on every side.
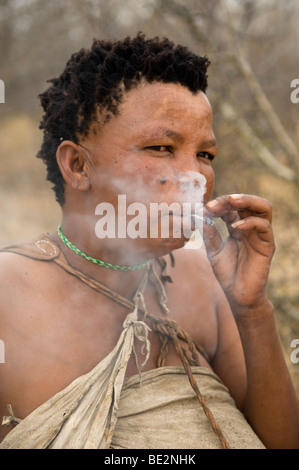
(253, 46)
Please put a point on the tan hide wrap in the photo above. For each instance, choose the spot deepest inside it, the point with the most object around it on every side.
(155, 409)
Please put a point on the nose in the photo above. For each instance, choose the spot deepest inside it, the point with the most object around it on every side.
(193, 176)
(188, 161)
(188, 171)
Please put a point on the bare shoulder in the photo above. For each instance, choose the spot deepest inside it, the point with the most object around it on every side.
(15, 280)
(14, 269)
(193, 277)
(11, 269)
(193, 266)
(22, 279)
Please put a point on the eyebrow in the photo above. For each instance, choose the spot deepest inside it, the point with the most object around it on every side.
(160, 133)
(209, 143)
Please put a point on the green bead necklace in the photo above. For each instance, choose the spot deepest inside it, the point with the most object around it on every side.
(97, 261)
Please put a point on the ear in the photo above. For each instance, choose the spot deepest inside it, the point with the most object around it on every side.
(73, 165)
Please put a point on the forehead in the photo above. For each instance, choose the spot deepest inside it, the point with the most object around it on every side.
(151, 107)
(157, 100)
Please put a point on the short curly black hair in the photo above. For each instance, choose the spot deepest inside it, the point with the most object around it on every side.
(94, 79)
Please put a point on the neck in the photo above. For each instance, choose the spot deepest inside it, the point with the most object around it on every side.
(99, 262)
(107, 261)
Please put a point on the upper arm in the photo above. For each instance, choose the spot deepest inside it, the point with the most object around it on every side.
(228, 362)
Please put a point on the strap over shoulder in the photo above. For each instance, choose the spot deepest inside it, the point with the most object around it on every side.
(46, 250)
(42, 249)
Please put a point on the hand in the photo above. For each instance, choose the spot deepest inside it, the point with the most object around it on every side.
(241, 263)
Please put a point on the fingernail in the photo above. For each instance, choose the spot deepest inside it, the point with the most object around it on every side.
(238, 223)
(236, 196)
(211, 204)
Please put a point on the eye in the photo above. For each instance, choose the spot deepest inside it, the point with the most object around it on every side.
(206, 156)
(158, 148)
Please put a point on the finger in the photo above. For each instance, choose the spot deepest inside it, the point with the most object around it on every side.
(262, 227)
(244, 204)
(251, 205)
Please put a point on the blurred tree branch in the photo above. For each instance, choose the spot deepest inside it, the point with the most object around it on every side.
(260, 96)
(255, 143)
(214, 47)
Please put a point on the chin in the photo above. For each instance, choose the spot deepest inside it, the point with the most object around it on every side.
(163, 246)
